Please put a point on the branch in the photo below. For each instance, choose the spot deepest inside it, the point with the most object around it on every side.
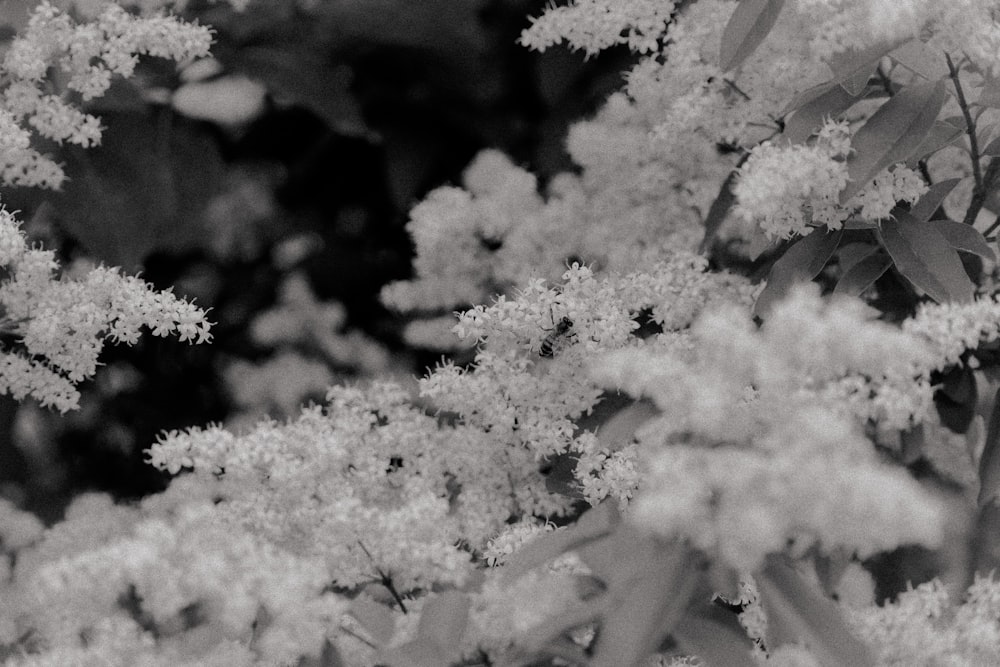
(979, 194)
(970, 126)
(385, 580)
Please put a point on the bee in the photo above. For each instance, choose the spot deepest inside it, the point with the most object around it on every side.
(547, 348)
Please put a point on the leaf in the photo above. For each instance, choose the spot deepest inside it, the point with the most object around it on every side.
(377, 619)
(647, 606)
(810, 114)
(329, 657)
(443, 620)
(892, 133)
(596, 523)
(992, 149)
(931, 201)
(853, 68)
(144, 189)
(719, 209)
(990, 94)
(940, 135)
(850, 254)
(305, 76)
(713, 642)
(989, 460)
(620, 428)
(802, 262)
(798, 613)
(956, 398)
(921, 59)
(965, 238)
(420, 652)
(747, 28)
(924, 257)
(984, 547)
(863, 275)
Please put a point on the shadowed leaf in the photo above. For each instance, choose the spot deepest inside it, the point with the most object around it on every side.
(989, 461)
(924, 257)
(863, 274)
(801, 263)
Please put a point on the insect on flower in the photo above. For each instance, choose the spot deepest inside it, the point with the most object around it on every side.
(547, 348)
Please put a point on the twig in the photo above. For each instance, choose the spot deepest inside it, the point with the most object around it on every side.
(970, 124)
(385, 580)
(979, 194)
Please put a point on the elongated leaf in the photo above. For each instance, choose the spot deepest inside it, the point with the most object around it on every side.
(799, 613)
(850, 254)
(863, 275)
(719, 209)
(921, 59)
(965, 238)
(376, 618)
(893, 133)
(443, 620)
(747, 28)
(713, 642)
(956, 399)
(647, 606)
(853, 68)
(801, 263)
(923, 255)
(329, 657)
(940, 135)
(596, 523)
(619, 430)
(989, 461)
(993, 148)
(931, 201)
(989, 95)
(809, 115)
(420, 652)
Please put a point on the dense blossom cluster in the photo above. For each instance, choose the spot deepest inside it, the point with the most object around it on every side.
(751, 422)
(162, 584)
(789, 190)
(594, 25)
(61, 324)
(89, 54)
(925, 626)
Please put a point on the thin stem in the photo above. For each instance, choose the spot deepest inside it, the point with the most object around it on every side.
(884, 80)
(385, 580)
(970, 123)
(344, 628)
(991, 229)
(979, 194)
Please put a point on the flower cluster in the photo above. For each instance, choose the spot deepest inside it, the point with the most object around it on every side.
(594, 25)
(60, 324)
(791, 189)
(925, 626)
(162, 584)
(89, 54)
(755, 421)
(370, 484)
